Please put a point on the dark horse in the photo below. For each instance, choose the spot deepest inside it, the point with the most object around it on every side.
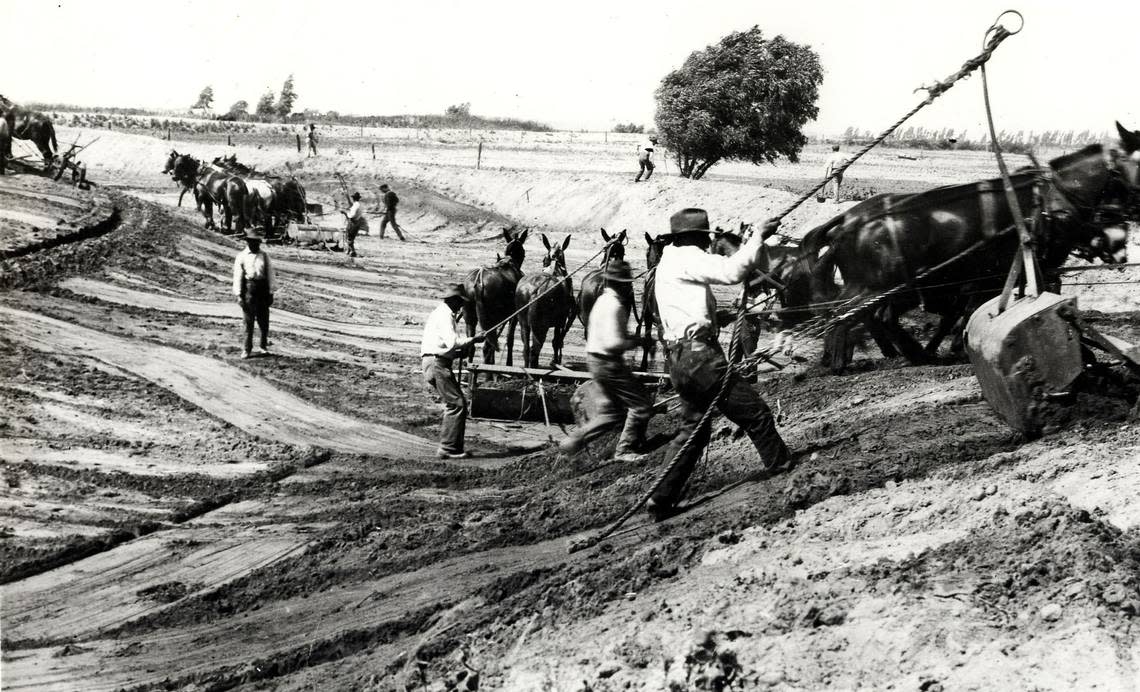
(490, 295)
(211, 186)
(553, 308)
(1129, 139)
(649, 316)
(270, 200)
(5, 145)
(30, 125)
(1086, 199)
(593, 283)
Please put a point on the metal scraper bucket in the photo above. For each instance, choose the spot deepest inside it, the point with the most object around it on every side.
(1026, 359)
(312, 233)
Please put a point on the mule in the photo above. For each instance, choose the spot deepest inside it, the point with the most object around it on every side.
(211, 186)
(30, 125)
(552, 293)
(594, 282)
(650, 318)
(490, 295)
(5, 145)
(1129, 139)
(271, 200)
(887, 240)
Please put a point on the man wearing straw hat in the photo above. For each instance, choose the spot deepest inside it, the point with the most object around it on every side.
(623, 397)
(440, 346)
(697, 363)
(254, 284)
(355, 224)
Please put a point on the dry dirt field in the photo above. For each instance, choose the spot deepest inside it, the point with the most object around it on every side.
(174, 517)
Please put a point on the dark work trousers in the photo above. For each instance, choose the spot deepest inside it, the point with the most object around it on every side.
(696, 368)
(255, 300)
(626, 399)
(312, 147)
(438, 375)
(390, 218)
(646, 169)
(351, 229)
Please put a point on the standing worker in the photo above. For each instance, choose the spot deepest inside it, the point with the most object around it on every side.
(254, 286)
(390, 202)
(607, 340)
(687, 310)
(645, 158)
(355, 224)
(836, 161)
(312, 135)
(439, 348)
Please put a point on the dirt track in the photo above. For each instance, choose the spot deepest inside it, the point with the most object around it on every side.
(175, 517)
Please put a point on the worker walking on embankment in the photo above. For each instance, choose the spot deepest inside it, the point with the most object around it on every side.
(697, 364)
(254, 286)
(440, 346)
(834, 163)
(624, 398)
(312, 136)
(355, 224)
(645, 158)
(390, 200)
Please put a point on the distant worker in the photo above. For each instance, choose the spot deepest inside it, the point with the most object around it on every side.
(687, 310)
(390, 201)
(254, 286)
(440, 346)
(312, 135)
(625, 399)
(836, 161)
(355, 224)
(645, 158)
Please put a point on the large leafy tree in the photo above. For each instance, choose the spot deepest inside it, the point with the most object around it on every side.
(205, 99)
(286, 100)
(265, 105)
(239, 110)
(746, 98)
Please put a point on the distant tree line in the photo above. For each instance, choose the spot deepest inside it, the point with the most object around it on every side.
(1019, 142)
(629, 128)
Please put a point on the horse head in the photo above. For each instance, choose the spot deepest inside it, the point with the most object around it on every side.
(515, 251)
(170, 161)
(555, 259)
(1129, 139)
(725, 243)
(183, 168)
(615, 246)
(653, 249)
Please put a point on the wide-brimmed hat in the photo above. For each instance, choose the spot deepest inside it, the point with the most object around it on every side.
(356, 195)
(254, 234)
(454, 291)
(691, 220)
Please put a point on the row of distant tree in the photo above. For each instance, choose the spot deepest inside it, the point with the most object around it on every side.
(269, 107)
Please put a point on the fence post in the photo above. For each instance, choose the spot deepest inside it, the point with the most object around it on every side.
(607, 134)
(298, 143)
(229, 140)
(479, 158)
(168, 134)
(374, 151)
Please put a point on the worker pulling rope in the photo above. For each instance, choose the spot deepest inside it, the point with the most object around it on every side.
(996, 34)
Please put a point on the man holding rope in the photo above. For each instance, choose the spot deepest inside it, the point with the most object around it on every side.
(440, 346)
(697, 363)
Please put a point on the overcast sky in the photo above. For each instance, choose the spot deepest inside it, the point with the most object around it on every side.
(586, 64)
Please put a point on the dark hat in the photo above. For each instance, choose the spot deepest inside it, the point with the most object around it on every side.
(454, 291)
(254, 234)
(652, 138)
(618, 270)
(689, 220)
(384, 186)
(356, 195)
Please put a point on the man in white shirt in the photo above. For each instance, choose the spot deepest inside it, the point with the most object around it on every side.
(440, 346)
(697, 364)
(356, 223)
(836, 161)
(624, 398)
(645, 158)
(254, 285)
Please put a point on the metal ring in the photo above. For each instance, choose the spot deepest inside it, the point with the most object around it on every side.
(1020, 22)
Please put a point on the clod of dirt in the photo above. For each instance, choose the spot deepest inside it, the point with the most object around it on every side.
(1051, 612)
(70, 650)
(1114, 594)
(167, 592)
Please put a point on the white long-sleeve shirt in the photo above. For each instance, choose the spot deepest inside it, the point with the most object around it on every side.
(684, 299)
(608, 334)
(255, 267)
(440, 336)
(355, 212)
(646, 151)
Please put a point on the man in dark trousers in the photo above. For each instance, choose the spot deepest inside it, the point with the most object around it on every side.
(697, 363)
(355, 224)
(440, 346)
(312, 135)
(607, 340)
(645, 159)
(390, 201)
(254, 286)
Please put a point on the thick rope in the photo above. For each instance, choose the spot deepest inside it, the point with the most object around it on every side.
(999, 34)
